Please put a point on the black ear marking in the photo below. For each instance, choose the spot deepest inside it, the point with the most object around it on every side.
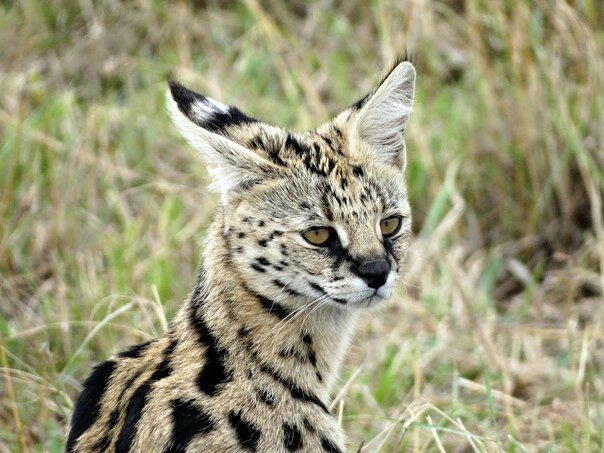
(217, 117)
(184, 97)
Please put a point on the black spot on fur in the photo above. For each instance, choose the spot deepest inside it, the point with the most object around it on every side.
(138, 400)
(257, 268)
(308, 425)
(276, 233)
(135, 407)
(247, 434)
(241, 235)
(263, 261)
(113, 418)
(89, 402)
(261, 223)
(102, 444)
(312, 162)
(312, 357)
(244, 332)
(292, 438)
(357, 171)
(135, 351)
(105, 442)
(335, 147)
(292, 352)
(317, 154)
(256, 142)
(295, 391)
(266, 397)
(326, 206)
(270, 146)
(273, 154)
(128, 386)
(298, 148)
(274, 307)
(214, 371)
(188, 421)
(263, 242)
(329, 446)
(318, 288)
(163, 371)
(285, 287)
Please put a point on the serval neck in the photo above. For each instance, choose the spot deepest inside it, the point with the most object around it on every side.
(306, 345)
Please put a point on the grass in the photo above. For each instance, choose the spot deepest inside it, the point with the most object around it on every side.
(494, 343)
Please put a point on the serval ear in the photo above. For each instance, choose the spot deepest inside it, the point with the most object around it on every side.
(381, 116)
(213, 129)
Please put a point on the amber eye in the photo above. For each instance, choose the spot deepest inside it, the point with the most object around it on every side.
(390, 226)
(317, 235)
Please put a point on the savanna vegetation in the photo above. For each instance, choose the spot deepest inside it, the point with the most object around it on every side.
(495, 341)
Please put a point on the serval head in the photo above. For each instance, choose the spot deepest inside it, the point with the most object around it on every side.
(317, 217)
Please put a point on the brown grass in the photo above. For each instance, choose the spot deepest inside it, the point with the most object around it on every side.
(494, 342)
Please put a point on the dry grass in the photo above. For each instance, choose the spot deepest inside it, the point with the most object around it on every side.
(496, 340)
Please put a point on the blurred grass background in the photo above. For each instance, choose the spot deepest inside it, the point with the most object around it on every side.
(494, 343)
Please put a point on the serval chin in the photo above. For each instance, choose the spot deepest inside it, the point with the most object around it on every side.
(312, 227)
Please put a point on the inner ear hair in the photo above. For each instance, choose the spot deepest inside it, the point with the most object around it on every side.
(383, 115)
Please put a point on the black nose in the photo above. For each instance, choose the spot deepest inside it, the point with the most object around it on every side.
(373, 271)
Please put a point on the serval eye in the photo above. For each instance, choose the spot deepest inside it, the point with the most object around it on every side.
(317, 235)
(390, 226)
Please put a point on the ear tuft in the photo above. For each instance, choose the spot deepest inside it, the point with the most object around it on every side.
(382, 116)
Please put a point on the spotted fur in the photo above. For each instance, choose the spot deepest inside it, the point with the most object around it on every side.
(249, 361)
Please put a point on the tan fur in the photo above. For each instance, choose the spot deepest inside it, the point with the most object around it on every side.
(271, 314)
